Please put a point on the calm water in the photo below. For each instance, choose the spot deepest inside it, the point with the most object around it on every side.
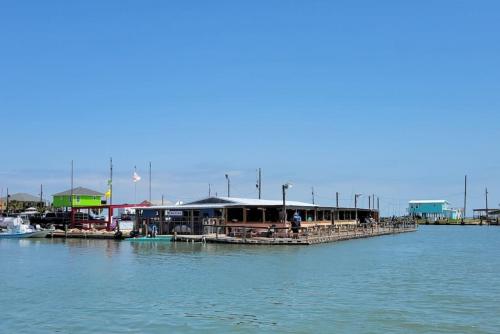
(439, 279)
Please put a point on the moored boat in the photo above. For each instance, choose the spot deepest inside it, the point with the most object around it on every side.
(17, 228)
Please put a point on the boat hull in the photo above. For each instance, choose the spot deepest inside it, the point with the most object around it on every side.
(40, 234)
(160, 238)
(35, 234)
(16, 235)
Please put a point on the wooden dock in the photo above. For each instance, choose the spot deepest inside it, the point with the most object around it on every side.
(87, 234)
(309, 239)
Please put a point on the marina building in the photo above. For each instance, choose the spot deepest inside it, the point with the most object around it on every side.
(81, 197)
(226, 214)
(486, 213)
(433, 209)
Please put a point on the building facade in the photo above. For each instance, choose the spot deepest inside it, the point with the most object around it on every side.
(433, 209)
(240, 213)
(81, 197)
(20, 201)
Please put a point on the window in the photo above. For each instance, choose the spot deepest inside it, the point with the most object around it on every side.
(77, 199)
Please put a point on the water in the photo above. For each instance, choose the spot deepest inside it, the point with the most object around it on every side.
(439, 279)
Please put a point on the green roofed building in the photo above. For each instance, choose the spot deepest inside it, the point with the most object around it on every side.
(81, 197)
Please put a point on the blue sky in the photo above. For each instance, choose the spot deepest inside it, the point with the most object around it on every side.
(399, 99)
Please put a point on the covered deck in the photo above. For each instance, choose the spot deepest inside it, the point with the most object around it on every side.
(232, 215)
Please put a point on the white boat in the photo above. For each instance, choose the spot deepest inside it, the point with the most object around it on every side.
(17, 228)
(28, 214)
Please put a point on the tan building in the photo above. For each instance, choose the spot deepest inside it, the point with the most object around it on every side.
(20, 201)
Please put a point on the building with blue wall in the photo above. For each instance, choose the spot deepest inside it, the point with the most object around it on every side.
(433, 209)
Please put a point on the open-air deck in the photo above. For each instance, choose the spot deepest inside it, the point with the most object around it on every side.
(230, 215)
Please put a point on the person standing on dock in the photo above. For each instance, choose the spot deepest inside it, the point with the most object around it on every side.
(152, 230)
(296, 224)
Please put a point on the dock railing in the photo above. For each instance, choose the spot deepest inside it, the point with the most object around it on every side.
(246, 231)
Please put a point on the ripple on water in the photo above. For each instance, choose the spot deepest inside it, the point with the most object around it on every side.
(438, 280)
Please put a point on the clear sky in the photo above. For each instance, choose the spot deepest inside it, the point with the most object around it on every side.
(395, 98)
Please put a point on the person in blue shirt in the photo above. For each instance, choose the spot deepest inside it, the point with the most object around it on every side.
(152, 230)
(296, 224)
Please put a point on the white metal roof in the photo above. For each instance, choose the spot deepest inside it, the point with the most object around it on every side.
(428, 201)
(184, 206)
(225, 202)
(264, 202)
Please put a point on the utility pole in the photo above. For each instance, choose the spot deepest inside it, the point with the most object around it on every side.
(259, 183)
(284, 188)
(228, 186)
(486, 196)
(356, 205)
(72, 186)
(162, 199)
(70, 202)
(312, 193)
(465, 199)
(111, 182)
(7, 202)
(209, 190)
(337, 204)
(284, 203)
(369, 202)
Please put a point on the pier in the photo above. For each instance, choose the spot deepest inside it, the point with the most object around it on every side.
(307, 237)
(88, 234)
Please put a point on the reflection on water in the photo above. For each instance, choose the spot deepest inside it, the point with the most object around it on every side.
(438, 279)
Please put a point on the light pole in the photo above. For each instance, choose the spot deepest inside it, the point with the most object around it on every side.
(356, 205)
(259, 182)
(286, 186)
(486, 195)
(228, 186)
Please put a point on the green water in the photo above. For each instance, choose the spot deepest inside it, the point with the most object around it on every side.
(440, 279)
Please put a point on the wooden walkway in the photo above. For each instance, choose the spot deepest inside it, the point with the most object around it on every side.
(303, 240)
(83, 234)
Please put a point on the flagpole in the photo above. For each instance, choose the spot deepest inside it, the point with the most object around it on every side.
(150, 182)
(110, 181)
